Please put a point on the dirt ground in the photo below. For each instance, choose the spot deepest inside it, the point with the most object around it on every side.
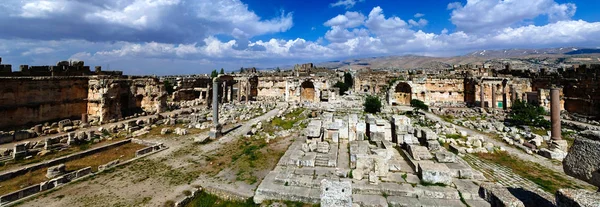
(161, 177)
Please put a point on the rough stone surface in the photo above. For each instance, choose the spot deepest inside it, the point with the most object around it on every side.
(445, 157)
(435, 173)
(498, 196)
(582, 161)
(419, 152)
(577, 198)
(336, 193)
(55, 171)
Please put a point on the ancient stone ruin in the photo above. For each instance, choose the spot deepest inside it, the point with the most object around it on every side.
(442, 137)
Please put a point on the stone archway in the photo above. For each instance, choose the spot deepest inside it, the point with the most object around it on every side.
(308, 91)
(402, 94)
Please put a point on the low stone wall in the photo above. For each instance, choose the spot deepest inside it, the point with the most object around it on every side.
(81, 173)
(14, 173)
(225, 195)
(153, 147)
(43, 186)
(187, 199)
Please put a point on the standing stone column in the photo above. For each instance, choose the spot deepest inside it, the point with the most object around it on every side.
(493, 103)
(247, 91)
(215, 130)
(239, 92)
(84, 118)
(504, 98)
(513, 95)
(555, 113)
(482, 99)
(230, 94)
(208, 94)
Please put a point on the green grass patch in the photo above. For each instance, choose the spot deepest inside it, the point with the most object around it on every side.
(207, 200)
(290, 119)
(448, 118)
(548, 180)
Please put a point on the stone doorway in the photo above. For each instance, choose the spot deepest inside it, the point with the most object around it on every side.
(402, 94)
(308, 91)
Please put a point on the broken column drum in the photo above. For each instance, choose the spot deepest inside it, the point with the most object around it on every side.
(215, 131)
(555, 113)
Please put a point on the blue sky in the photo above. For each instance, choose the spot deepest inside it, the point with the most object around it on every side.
(195, 36)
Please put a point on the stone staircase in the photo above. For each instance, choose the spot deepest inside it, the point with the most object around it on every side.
(322, 160)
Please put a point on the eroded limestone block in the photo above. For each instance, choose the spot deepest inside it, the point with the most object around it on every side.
(429, 134)
(165, 131)
(433, 145)
(445, 157)
(419, 152)
(435, 173)
(498, 196)
(181, 131)
(336, 193)
(55, 171)
(313, 130)
(582, 161)
(577, 198)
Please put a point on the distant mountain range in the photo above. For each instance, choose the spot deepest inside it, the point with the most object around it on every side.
(540, 57)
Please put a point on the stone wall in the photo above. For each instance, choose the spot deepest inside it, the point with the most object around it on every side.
(112, 98)
(374, 82)
(273, 87)
(505, 87)
(30, 100)
(430, 91)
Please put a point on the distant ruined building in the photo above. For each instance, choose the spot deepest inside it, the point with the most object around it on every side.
(69, 90)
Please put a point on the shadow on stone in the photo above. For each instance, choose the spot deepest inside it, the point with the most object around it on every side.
(530, 199)
(231, 129)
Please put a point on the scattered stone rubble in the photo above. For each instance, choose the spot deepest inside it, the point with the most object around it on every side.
(380, 160)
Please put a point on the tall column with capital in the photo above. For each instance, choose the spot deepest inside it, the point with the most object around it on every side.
(215, 130)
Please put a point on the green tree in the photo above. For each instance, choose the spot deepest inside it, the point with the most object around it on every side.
(214, 74)
(523, 113)
(419, 105)
(372, 104)
(277, 70)
(222, 71)
(169, 87)
(342, 86)
(242, 70)
(348, 79)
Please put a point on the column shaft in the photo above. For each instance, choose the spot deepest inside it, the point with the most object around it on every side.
(555, 113)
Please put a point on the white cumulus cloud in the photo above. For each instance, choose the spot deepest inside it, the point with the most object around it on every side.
(484, 15)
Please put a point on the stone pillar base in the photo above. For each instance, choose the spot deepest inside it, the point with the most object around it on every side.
(554, 154)
(215, 132)
(561, 145)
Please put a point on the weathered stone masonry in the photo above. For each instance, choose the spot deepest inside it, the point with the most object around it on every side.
(30, 100)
